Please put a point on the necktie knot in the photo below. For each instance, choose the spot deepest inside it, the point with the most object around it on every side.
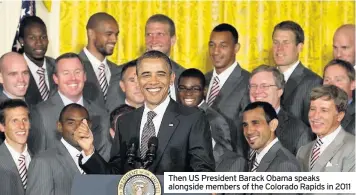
(102, 67)
(216, 80)
(318, 143)
(22, 158)
(214, 90)
(151, 115)
(40, 71)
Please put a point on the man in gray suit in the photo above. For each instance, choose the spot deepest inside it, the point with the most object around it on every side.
(191, 93)
(103, 76)
(342, 74)
(52, 172)
(70, 77)
(34, 41)
(14, 154)
(334, 148)
(288, 40)
(160, 35)
(267, 85)
(259, 125)
(227, 82)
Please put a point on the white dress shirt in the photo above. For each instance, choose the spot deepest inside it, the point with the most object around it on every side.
(67, 101)
(74, 153)
(96, 63)
(16, 155)
(33, 68)
(260, 155)
(328, 139)
(223, 76)
(289, 72)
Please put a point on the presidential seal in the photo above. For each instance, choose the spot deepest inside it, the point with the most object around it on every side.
(139, 182)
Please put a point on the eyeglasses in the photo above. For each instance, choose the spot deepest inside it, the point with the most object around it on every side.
(262, 87)
(192, 89)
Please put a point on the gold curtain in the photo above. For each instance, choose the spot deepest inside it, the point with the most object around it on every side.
(194, 21)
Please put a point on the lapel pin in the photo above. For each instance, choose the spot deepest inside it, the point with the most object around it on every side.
(171, 125)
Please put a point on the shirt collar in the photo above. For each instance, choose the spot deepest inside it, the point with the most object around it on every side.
(10, 97)
(16, 155)
(226, 73)
(74, 152)
(160, 109)
(201, 103)
(260, 155)
(289, 72)
(93, 60)
(330, 137)
(278, 109)
(67, 101)
(31, 65)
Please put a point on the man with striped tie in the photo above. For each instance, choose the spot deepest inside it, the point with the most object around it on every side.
(14, 154)
(334, 148)
(259, 125)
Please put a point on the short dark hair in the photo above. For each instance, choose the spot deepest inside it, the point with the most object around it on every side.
(154, 54)
(228, 27)
(347, 66)
(126, 66)
(96, 18)
(121, 110)
(331, 92)
(29, 21)
(195, 73)
(71, 106)
(10, 104)
(160, 18)
(68, 55)
(270, 112)
(292, 26)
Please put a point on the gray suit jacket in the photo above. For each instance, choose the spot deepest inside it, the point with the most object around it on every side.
(45, 115)
(11, 183)
(52, 172)
(230, 102)
(33, 95)
(339, 156)
(231, 162)
(348, 122)
(296, 96)
(220, 131)
(92, 91)
(292, 132)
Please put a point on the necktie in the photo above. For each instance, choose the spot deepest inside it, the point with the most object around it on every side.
(316, 152)
(103, 81)
(23, 170)
(42, 84)
(147, 132)
(254, 165)
(80, 169)
(214, 91)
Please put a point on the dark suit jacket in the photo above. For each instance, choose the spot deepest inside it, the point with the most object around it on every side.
(92, 91)
(52, 172)
(230, 102)
(348, 122)
(296, 96)
(33, 95)
(292, 132)
(220, 131)
(184, 143)
(44, 133)
(11, 183)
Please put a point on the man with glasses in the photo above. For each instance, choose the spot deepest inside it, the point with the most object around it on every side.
(191, 93)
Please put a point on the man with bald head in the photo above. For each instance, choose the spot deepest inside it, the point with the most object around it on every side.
(344, 43)
(102, 85)
(14, 76)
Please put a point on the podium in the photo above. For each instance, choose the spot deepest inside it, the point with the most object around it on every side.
(101, 184)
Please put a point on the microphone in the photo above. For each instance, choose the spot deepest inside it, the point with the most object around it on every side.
(131, 152)
(151, 152)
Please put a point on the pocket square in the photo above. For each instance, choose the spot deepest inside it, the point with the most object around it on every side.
(329, 164)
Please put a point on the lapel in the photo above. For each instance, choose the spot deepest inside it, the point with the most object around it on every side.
(329, 152)
(204, 106)
(293, 81)
(66, 160)
(135, 128)
(32, 94)
(282, 120)
(208, 77)
(230, 85)
(349, 115)
(166, 130)
(50, 71)
(7, 162)
(268, 157)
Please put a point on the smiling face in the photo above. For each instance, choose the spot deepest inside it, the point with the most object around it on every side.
(154, 79)
(190, 91)
(159, 38)
(35, 41)
(337, 75)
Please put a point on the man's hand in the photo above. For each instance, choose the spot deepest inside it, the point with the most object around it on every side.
(84, 137)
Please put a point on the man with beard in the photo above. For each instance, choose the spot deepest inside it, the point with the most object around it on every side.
(103, 75)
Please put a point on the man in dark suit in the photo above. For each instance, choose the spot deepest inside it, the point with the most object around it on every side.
(103, 76)
(267, 85)
(114, 115)
(334, 148)
(344, 43)
(227, 82)
(191, 93)
(342, 74)
(288, 40)
(52, 172)
(70, 77)
(184, 139)
(14, 154)
(160, 35)
(34, 40)
(259, 125)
